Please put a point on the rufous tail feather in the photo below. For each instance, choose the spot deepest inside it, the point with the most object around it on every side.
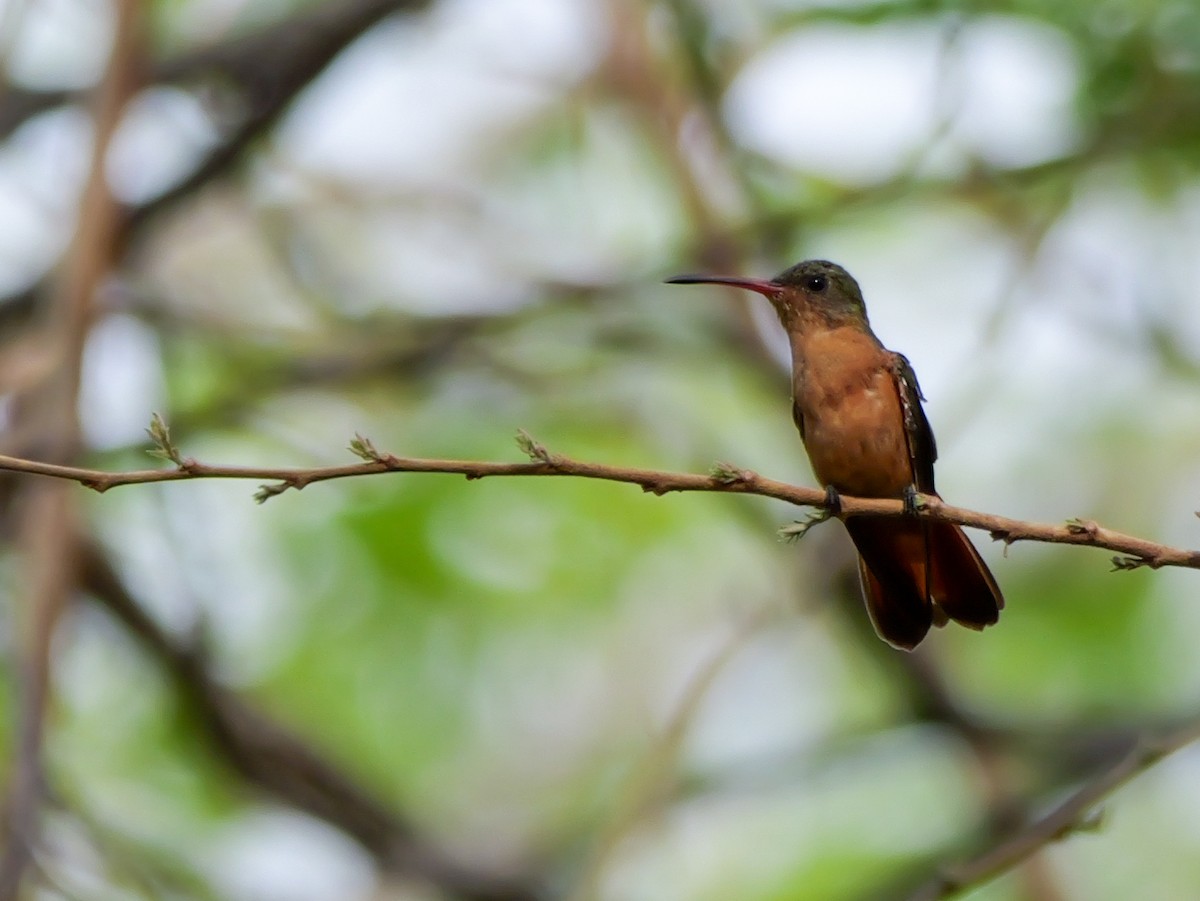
(917, 573)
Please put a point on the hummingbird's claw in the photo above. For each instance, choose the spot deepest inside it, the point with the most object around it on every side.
(833, 501)
(912, 500)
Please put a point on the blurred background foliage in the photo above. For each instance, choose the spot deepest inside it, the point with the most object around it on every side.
(436, 221)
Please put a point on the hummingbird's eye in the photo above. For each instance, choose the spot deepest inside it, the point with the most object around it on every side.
(816, 283)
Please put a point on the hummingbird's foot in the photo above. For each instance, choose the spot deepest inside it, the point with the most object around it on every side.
(912, 500)
(833, 501)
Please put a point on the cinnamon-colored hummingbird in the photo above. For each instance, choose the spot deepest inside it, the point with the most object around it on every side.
(858, 408)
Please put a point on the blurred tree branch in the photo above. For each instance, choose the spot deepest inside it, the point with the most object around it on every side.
(280, 764)
(47, 526)
(267, 63)
(269, 70)
(1137, 552)
(650, 785)
(1073, 815)
(266, 70)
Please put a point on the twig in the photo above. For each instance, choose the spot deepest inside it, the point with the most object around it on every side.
(1133, 552)
(1073, 815)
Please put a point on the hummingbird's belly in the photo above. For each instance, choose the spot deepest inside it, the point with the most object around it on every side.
(856, 441)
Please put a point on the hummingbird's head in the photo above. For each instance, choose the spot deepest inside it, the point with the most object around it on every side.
(814, 288)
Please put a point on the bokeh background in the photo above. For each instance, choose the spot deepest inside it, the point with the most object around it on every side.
(434, 222)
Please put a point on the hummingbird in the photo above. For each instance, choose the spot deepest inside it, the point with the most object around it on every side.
(858, 408)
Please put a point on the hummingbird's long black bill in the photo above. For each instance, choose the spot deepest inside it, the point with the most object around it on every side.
(758, 285)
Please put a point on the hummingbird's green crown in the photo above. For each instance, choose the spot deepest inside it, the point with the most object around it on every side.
(820, 277)
(826, 286)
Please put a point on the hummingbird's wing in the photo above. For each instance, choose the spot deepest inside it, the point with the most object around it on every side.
(922, 449)
(798, 418)
(918, 572)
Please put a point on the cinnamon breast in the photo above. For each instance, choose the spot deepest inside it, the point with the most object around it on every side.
(849, 413)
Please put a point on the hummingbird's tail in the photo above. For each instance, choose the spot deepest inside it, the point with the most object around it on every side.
(921, 572)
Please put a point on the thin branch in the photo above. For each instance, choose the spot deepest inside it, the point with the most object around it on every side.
(1133, 552)
(1073, 815)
